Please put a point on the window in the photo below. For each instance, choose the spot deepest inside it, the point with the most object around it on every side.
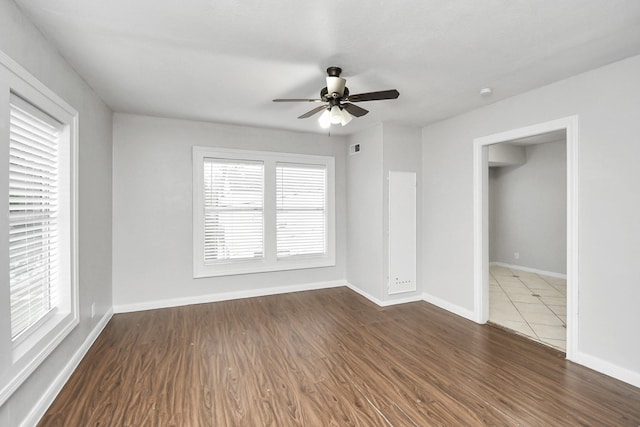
(233, 210)
(33, 214)
(301, 209)
(260, 211)
(39, 303)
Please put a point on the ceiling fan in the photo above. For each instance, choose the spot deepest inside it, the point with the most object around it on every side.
(337, 102)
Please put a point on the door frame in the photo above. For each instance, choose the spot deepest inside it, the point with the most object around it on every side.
(481, 219)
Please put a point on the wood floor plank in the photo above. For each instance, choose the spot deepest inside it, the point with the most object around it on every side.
(328, 357)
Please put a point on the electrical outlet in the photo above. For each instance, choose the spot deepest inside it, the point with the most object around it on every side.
(516, 255)
(93, 310)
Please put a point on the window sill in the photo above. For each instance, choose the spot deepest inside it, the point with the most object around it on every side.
(262, 266)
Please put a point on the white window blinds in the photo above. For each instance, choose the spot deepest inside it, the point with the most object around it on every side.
(33, 214)
(233, 210)
(301, 209)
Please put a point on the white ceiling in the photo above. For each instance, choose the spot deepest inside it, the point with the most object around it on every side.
(225, 60)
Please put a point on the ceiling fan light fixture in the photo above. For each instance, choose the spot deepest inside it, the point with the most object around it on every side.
(346, 117)
(325, 119)
(335, 115)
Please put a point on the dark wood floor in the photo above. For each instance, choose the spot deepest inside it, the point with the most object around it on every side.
(329, 357)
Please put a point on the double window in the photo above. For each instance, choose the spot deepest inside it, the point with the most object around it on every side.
(261, 211)
(39, 305)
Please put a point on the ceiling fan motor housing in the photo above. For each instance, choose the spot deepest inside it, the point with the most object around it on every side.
(326, 96)
(334, 71)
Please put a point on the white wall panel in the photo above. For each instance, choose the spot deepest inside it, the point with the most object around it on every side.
(402, 232)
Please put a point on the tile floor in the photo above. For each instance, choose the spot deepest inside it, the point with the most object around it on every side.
(530, 304)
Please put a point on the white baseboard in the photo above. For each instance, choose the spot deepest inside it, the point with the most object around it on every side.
(396, 301)
(225, 296)
(40, 408)
(529, 269)
(607, 368)
(380, 302)
(365, 294)
(453, 308)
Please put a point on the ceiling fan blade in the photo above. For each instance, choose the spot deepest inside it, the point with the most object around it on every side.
(312, 112)
(354, 110)
(374, 96)
(298, 100)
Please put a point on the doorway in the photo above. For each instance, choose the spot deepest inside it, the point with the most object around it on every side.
(527, 237)
(481, 218)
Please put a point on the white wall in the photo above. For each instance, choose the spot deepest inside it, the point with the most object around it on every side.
(21, 41)
(528, 210)
(152, 211)
(364, 213)
(383, 148)
(606, 101)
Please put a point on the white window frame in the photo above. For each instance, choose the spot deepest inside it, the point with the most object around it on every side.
(270, 261)
(20, 357)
